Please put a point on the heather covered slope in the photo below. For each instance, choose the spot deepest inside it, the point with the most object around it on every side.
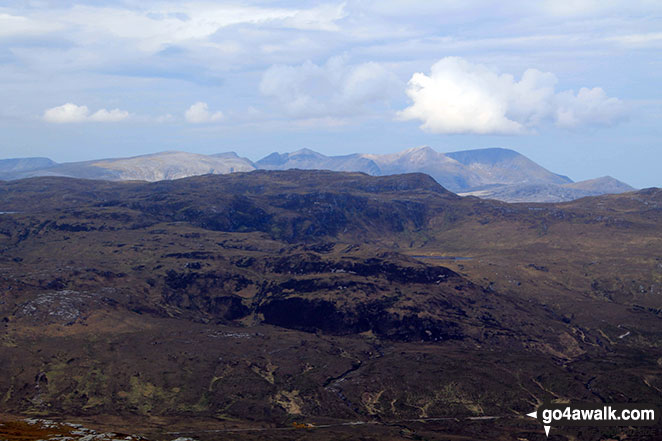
(266, 298)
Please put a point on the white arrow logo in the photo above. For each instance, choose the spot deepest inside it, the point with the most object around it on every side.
(535, 415)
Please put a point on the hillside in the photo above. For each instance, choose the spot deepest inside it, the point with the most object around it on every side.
(504, 166)
(445, 170)
(11, 167)
(551, 192)
(600, 186)
(265, 298)
(307, 159)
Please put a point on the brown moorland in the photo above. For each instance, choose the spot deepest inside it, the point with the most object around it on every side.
(322, 305)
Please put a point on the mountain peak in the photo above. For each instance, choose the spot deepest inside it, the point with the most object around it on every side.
(225, 155)
(505, 166)
(307, 159)
(421, 148)
(421, 152)
(604, 184)
(307, 152)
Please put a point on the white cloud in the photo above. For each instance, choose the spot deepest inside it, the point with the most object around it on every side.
(462, 97)
(593, 8)
(333, 89)
(161, 119)
(71, 113)
(159, 24)
(16, 25)
(587, 107)
(319, 18)
(104, 115)
(576, 7)
(67, 113)
(650, 39)
(199, 113)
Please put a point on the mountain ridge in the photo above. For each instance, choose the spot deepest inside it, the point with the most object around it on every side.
(17, 165)
(495, 173)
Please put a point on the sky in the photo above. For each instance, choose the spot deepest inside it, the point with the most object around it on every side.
(574, 85)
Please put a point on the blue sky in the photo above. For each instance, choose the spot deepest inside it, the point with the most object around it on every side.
(574, 85)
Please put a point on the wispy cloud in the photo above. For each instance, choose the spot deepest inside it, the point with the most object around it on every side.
(17, 25)
(157, 25)
(335, 88)
(650, 39)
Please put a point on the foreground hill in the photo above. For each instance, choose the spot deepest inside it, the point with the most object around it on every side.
(217, 305)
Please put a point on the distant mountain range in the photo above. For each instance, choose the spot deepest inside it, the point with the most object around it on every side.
(154, 167)
(494, 173)
(551, 192)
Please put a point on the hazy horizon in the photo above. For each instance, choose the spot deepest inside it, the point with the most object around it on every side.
(571, 85)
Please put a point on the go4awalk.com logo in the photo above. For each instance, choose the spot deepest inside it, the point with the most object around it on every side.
(595, 414)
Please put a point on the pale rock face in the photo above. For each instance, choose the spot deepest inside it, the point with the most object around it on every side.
(173, 165)
(154, 167)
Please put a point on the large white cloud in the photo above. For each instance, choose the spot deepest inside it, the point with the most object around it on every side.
(72, 113)
(199, 113)
(334, 89)
(462, 97)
